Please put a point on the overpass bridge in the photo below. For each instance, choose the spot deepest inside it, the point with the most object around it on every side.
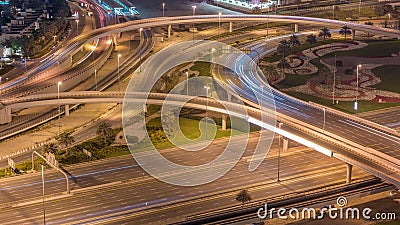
(382, 165)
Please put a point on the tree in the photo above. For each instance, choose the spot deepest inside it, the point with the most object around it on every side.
(271, 72)
(105, 131)
(311, 39)
(50, 148)
(345, 31)
(284, 48)
(243, 197)
(294, 40)
(325, 33)
(66, 139)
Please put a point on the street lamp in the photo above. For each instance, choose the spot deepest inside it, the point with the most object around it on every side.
(334, 83)
(163, 7)
(333, 11)
(207, 89)
(95, 77)
(44, 209)
(140, 50)
(187, 83)
(219, 24)
(194, 12)
(279, 150)
(119, 80)
(356, 102)
(77, 28)
(359, 10)
(59, 106)
(54, 39)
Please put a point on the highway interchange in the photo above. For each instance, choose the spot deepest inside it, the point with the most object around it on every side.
(85, 205)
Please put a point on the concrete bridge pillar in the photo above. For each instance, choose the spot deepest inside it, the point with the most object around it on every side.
(229, 97)
(5, 115)
(285, 144)
(349, 171)
(353, 34)
(296, 28)
(169, 31)
(66, 110)
(230, 27)
(223, 121)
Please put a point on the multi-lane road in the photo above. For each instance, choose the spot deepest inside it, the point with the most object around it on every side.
(139, 191)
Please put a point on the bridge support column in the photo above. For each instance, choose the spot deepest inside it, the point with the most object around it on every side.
(223, 121)
(353, 34)
(66, 110)
(115, 40)
(349, 171)
(144, 108)
(296, 28)
(230, 27)
(169, 31)
(285, 144)
(5, 115)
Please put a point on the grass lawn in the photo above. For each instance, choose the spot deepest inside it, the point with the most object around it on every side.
(374, 49)
(390, 76)
(363, 106)
(189, 127)
(202, 67)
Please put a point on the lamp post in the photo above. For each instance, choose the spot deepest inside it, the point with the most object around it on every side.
(187, 83)
(279, 151)
(359, 10)
(207, 89)
(95, 77)
(59, 106)
(44, 209)
(119, 80)
(334, 83)
(323, 125)
(163, 7)
(194, 12)
(356, 102)
(54, 39)
(77, 28)
(333, 12)
(219, 24)
(140, 50)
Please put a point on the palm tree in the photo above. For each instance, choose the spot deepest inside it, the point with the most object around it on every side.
(311, 39)
(325, 33)
(50, 148)
(243, 197)
(271, 72)
(345, 31)
(284, 48)
(105, 131)
(66, 139)
(294, 40)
